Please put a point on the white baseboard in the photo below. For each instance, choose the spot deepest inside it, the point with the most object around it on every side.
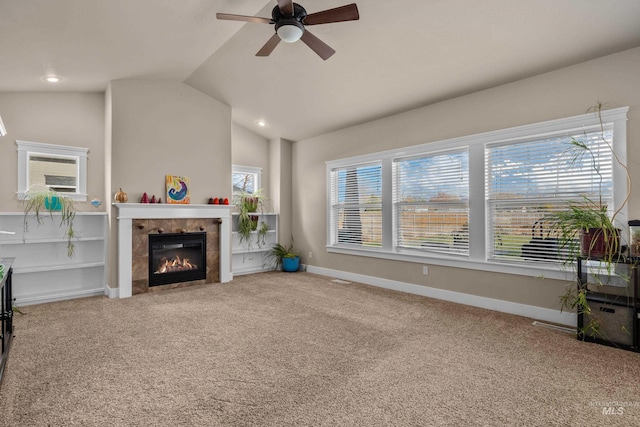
(531, 311)
(44, 298)
(112, 292)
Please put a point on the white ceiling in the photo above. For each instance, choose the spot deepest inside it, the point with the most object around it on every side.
(398, 56)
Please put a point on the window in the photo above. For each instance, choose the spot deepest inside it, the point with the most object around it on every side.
(475, 201)
(245, 179)
(431, 202)
(356, 205)
(59, 167)
(527, 180)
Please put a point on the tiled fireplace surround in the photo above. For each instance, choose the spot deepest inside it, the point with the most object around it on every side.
(137, 220)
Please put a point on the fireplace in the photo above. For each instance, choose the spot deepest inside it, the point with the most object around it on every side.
(177, 257)
(136, 221)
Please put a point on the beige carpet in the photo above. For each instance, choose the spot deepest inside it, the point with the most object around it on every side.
(296, 349)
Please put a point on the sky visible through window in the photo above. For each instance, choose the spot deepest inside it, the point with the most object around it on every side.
(523, 170)
(554, 166)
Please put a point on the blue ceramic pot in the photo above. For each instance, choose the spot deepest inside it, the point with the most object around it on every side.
(291, 264)
(53, 203)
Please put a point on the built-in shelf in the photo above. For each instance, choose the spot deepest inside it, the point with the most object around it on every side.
(251, 257)
(43, 271)
(50, 240)
(45, 268)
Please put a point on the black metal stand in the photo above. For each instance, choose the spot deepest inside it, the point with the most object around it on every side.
(612, 313)
(6, 313)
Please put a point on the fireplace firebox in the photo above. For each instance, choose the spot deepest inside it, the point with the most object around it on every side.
(177, 257)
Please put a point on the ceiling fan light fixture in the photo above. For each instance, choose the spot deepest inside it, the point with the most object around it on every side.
(290, 31)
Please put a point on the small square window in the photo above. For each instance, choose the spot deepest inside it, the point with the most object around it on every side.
(245, 179)
(58, 167)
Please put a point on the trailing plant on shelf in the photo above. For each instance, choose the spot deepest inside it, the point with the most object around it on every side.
(261, 233)
(248, 204)
(587, 230)
(41, 202)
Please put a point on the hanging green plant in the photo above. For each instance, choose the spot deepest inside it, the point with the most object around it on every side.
(40, 203)
(248, 204)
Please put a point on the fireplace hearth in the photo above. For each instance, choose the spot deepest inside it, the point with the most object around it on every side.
(177, 257)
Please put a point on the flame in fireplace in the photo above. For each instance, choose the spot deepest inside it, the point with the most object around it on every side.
(175, 265)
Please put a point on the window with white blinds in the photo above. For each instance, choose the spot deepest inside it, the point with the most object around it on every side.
(431, 202)
(528, 180)
(480, 201)
(356, 205)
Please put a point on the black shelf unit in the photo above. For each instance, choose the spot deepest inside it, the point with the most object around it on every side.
(613, 299)
(6, 313)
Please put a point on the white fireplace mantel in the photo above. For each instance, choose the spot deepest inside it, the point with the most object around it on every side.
(127, 212)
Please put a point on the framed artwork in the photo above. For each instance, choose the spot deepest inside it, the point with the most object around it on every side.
(177, 189)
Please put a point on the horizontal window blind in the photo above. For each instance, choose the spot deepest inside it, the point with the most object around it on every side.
(528, 180)
(356, 205)
(431, 202)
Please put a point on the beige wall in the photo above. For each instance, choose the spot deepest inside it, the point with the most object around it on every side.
(614, 79)
(280, 151)
(250, 149)
(158, 128)
(74, 119)
(274, 157)
(165, 128)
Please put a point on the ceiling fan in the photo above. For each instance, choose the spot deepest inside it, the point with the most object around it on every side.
(290, 20)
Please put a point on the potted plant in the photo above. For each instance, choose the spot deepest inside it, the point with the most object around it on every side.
(285, 256)
(39, 202)
(588, 231)
(247, 204)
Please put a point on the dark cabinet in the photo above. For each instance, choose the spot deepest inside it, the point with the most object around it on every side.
(611, 314)
(6, 315)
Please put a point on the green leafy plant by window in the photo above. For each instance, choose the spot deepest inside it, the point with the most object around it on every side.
(586, 229)
(279, 251)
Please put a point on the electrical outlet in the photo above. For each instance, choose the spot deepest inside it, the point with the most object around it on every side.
(425, 270)
(310, 254)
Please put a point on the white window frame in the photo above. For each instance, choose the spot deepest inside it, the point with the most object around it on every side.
(478, 225)
(26, 149)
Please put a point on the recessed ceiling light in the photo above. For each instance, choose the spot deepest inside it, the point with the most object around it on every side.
(52, 79)
(261, 123)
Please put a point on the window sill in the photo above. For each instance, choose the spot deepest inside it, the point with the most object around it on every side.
(76, 197)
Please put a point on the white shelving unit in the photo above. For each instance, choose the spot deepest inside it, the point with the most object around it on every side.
(251, 257)
(42, 271)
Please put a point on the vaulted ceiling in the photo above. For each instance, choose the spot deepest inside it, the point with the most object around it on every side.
(398, 56)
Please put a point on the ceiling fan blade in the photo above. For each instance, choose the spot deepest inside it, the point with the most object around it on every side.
(269, 46)
(348, 12)
(318, 46)
(230, 17)
(286, 7)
